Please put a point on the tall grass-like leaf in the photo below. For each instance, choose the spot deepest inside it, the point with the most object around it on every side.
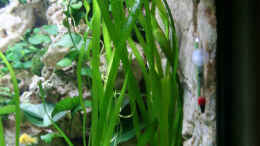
(79, 79)
(8, 109)
(159, 112)
(79, 66)
(16, 97)
(174, 42)
(115, 113)
(97, 89)
(107, 43)
(2, 138)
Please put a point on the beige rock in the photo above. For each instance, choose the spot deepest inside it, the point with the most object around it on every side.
(198, 129)
(14, 20)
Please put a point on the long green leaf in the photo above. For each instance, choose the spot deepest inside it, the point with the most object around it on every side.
(115, 113)
(8, 109)
(16, 97)
(2, 138)
(97, 89)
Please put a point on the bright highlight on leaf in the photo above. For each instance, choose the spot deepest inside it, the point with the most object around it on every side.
(51, 29)
(65, 62)
(39, 38)
(49, 137)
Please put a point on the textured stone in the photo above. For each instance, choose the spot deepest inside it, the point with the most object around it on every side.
(15, 19)
(53, 55)
(198, 129)
(23, 76)
(55, 15)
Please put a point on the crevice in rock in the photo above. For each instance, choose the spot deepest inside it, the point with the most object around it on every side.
(40, 16)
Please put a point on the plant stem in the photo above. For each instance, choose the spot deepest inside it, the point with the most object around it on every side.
(2, 138)
(16, 97)
(50, 118)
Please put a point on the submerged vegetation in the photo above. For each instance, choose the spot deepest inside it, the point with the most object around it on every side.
(148, 110)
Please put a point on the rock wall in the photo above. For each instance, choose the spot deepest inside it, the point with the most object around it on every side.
(198, 129)
(16, 18)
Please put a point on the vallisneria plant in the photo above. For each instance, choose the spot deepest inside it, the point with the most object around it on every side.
(16, 99)
(161, 109)
(115, 29)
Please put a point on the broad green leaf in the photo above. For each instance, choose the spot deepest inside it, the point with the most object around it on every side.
(49, 137)
(66, 104)
(39, 39)
(35, 114)
(27, 64)
(8, 109)
(65, 62)
(73, 1)
(73, 54)
(18, 65)
(4, 69)
(36, 30)
(33, 48)
(5, 89)
(26, 52)
(77, 5)
(14, 56)
(65, 41)
(19, 45)
(86, 71)
(23, 1)
(65, 23)
(87, 104)
(51, 29)
(27, 33)
(5, 94)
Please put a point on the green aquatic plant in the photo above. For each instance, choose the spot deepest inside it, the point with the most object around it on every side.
(26, 53)
(2, 138)
(114, 27)
(162, 111)
(43, 96)
(16, 98)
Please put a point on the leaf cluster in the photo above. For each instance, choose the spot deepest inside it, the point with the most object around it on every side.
(26, 53)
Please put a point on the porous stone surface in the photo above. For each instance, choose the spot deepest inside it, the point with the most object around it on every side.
(54, 15)
(198, 129)
(15, 19)
(23, 76)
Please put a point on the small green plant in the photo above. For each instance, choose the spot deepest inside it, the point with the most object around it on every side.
(26, 53)
(75, 11)
(19, 56)
(23, 1)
